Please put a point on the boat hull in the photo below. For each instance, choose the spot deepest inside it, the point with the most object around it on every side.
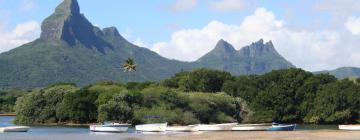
(282, 127)
(251, 127)
(350, 127)
(190, 128)
(217, 127)
(161, 127)
(15, 129)
(109, 128)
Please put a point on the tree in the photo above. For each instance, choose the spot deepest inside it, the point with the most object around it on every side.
(129, 65)
(116, 109)
(79, 106)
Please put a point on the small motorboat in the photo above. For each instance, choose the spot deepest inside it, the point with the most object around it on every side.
(282, 127)
(110, 127)
(217, 127)
(189, 128)
(159, 127)
(349, 127)
(252, 127)
(15, 129)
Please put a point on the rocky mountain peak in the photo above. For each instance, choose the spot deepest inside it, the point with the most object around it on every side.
(68, 7)
(111, 31)
(59, 26)
(223, 47)
(67, 24)
(259, 48)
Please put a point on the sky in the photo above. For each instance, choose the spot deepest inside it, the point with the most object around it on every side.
(312, 34)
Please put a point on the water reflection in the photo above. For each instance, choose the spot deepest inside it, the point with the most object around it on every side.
(38, 132)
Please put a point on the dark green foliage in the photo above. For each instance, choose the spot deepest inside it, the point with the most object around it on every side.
(79, 106)
(294, 95)
(138, 86)
(289, 96)
(107, 101)
(246, 87)
(215, 108)
(115, 109)
(202, 80)
(8, 99)
(336, 102)
(40, 106)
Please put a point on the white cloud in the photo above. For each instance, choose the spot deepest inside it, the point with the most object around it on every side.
(353, 25)
(27, 5)
(139, 42)
(183, 5)
(21, 34)
(339, 9)
(228, 5)
(311, 50)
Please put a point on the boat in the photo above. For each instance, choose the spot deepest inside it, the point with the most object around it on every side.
(349, 127)
(189, 128)
(217, 127)
(251, 127)
(110, 127)
(15, 129)
(282, 127)
(159, 127)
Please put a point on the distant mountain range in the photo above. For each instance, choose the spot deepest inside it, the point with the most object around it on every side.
(343, 72)
(257, 58)
(71, 49)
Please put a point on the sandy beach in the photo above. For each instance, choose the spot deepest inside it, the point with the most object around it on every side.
(261, 135)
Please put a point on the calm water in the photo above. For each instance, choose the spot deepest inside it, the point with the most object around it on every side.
(78, 133)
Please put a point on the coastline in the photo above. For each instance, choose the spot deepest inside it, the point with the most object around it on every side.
(8, 114)
(261, 135)
(225, 135)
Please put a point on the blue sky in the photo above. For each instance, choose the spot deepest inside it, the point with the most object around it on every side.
(312, 34)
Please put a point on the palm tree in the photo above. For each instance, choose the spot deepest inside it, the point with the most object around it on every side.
(129, 65)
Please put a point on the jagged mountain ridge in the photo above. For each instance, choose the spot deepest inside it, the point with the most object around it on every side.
(343, 72)
(257, 58)
(71, 49)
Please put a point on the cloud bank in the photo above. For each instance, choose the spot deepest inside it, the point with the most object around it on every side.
(21, 34)
(183, 5)
(311, 50)
(229, 5)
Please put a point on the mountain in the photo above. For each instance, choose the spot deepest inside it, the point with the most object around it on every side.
(343, 72)
(257, 58)
(71, 49)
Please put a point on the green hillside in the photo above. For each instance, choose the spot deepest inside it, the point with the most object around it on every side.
(71, 49)
(344, 72)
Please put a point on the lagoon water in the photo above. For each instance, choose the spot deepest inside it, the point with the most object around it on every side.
(83, 133)
(73, 133)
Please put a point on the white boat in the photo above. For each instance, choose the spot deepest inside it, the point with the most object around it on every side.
(159, 127)
(14, 129)
(349, 127)
(189, 128)
(217, 127)
(251, 127)
(111, 127)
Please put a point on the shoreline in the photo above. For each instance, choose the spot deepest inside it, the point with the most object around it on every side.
(8, 114)
(224, 135)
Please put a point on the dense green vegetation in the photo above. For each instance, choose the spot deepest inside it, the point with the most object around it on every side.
(297, 96)
(131, 103)
(200, 96)
(8, 99)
